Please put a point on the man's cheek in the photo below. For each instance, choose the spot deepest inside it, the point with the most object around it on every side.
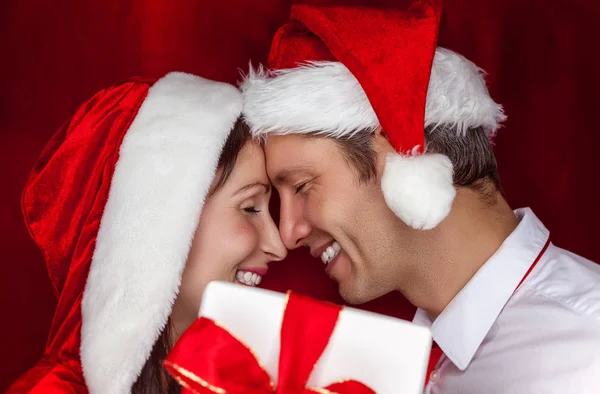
(312, 210)
(323, 214)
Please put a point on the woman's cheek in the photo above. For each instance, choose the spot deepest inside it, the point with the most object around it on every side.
(244, 240)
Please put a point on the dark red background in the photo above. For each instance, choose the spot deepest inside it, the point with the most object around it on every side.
(542, 62)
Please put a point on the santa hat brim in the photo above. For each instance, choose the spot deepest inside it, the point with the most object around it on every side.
(325, 97)
(166, 165)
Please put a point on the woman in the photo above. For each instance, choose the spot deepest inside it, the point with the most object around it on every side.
(149, 192)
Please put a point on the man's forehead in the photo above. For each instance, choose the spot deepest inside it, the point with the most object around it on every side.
(286, 140)
(291, 155)
(298, 145)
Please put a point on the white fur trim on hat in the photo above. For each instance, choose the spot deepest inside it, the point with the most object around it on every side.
(318, 97)
(166, 165)
(325, 98)
(418, 188)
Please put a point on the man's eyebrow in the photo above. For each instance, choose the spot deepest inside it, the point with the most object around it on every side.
(242, 189)
(284, 175)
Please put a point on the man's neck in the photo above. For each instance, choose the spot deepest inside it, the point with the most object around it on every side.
(460, 245)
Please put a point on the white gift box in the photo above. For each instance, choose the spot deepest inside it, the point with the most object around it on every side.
(387, 354)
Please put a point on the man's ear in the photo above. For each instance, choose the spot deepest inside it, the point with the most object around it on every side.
(382, 147)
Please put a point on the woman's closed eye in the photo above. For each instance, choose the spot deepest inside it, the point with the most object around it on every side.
(251, 210)
(256, 203)
(254, 197)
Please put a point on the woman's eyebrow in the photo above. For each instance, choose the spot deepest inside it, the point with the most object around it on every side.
(242, 189)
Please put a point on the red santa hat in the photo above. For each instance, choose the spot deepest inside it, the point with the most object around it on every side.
(337, 70)
(114, 202)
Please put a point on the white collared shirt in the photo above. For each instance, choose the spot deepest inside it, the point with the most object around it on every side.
(544, 339)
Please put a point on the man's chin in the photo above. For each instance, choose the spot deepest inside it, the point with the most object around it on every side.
(360, 292)
(352, 295)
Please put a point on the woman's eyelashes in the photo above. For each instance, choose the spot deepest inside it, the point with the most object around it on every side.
(254, 204)
(251, 210)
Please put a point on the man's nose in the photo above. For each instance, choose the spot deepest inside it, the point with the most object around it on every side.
(293, 227)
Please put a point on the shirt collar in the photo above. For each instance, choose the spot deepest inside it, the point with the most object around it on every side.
(462, 326)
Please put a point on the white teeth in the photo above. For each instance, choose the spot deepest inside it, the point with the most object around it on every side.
(248, 278)
(331, 252)
(337, 247)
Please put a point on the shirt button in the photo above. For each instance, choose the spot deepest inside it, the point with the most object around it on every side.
(434, 377)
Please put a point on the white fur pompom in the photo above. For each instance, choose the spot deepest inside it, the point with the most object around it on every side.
(419, 188)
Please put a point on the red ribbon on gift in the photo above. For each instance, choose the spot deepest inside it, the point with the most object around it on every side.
(210, 359)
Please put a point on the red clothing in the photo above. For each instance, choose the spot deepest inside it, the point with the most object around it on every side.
(62, 201)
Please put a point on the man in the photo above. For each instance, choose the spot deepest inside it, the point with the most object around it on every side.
(390, 205)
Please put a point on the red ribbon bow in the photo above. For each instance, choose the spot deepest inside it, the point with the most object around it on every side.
(209, 359)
